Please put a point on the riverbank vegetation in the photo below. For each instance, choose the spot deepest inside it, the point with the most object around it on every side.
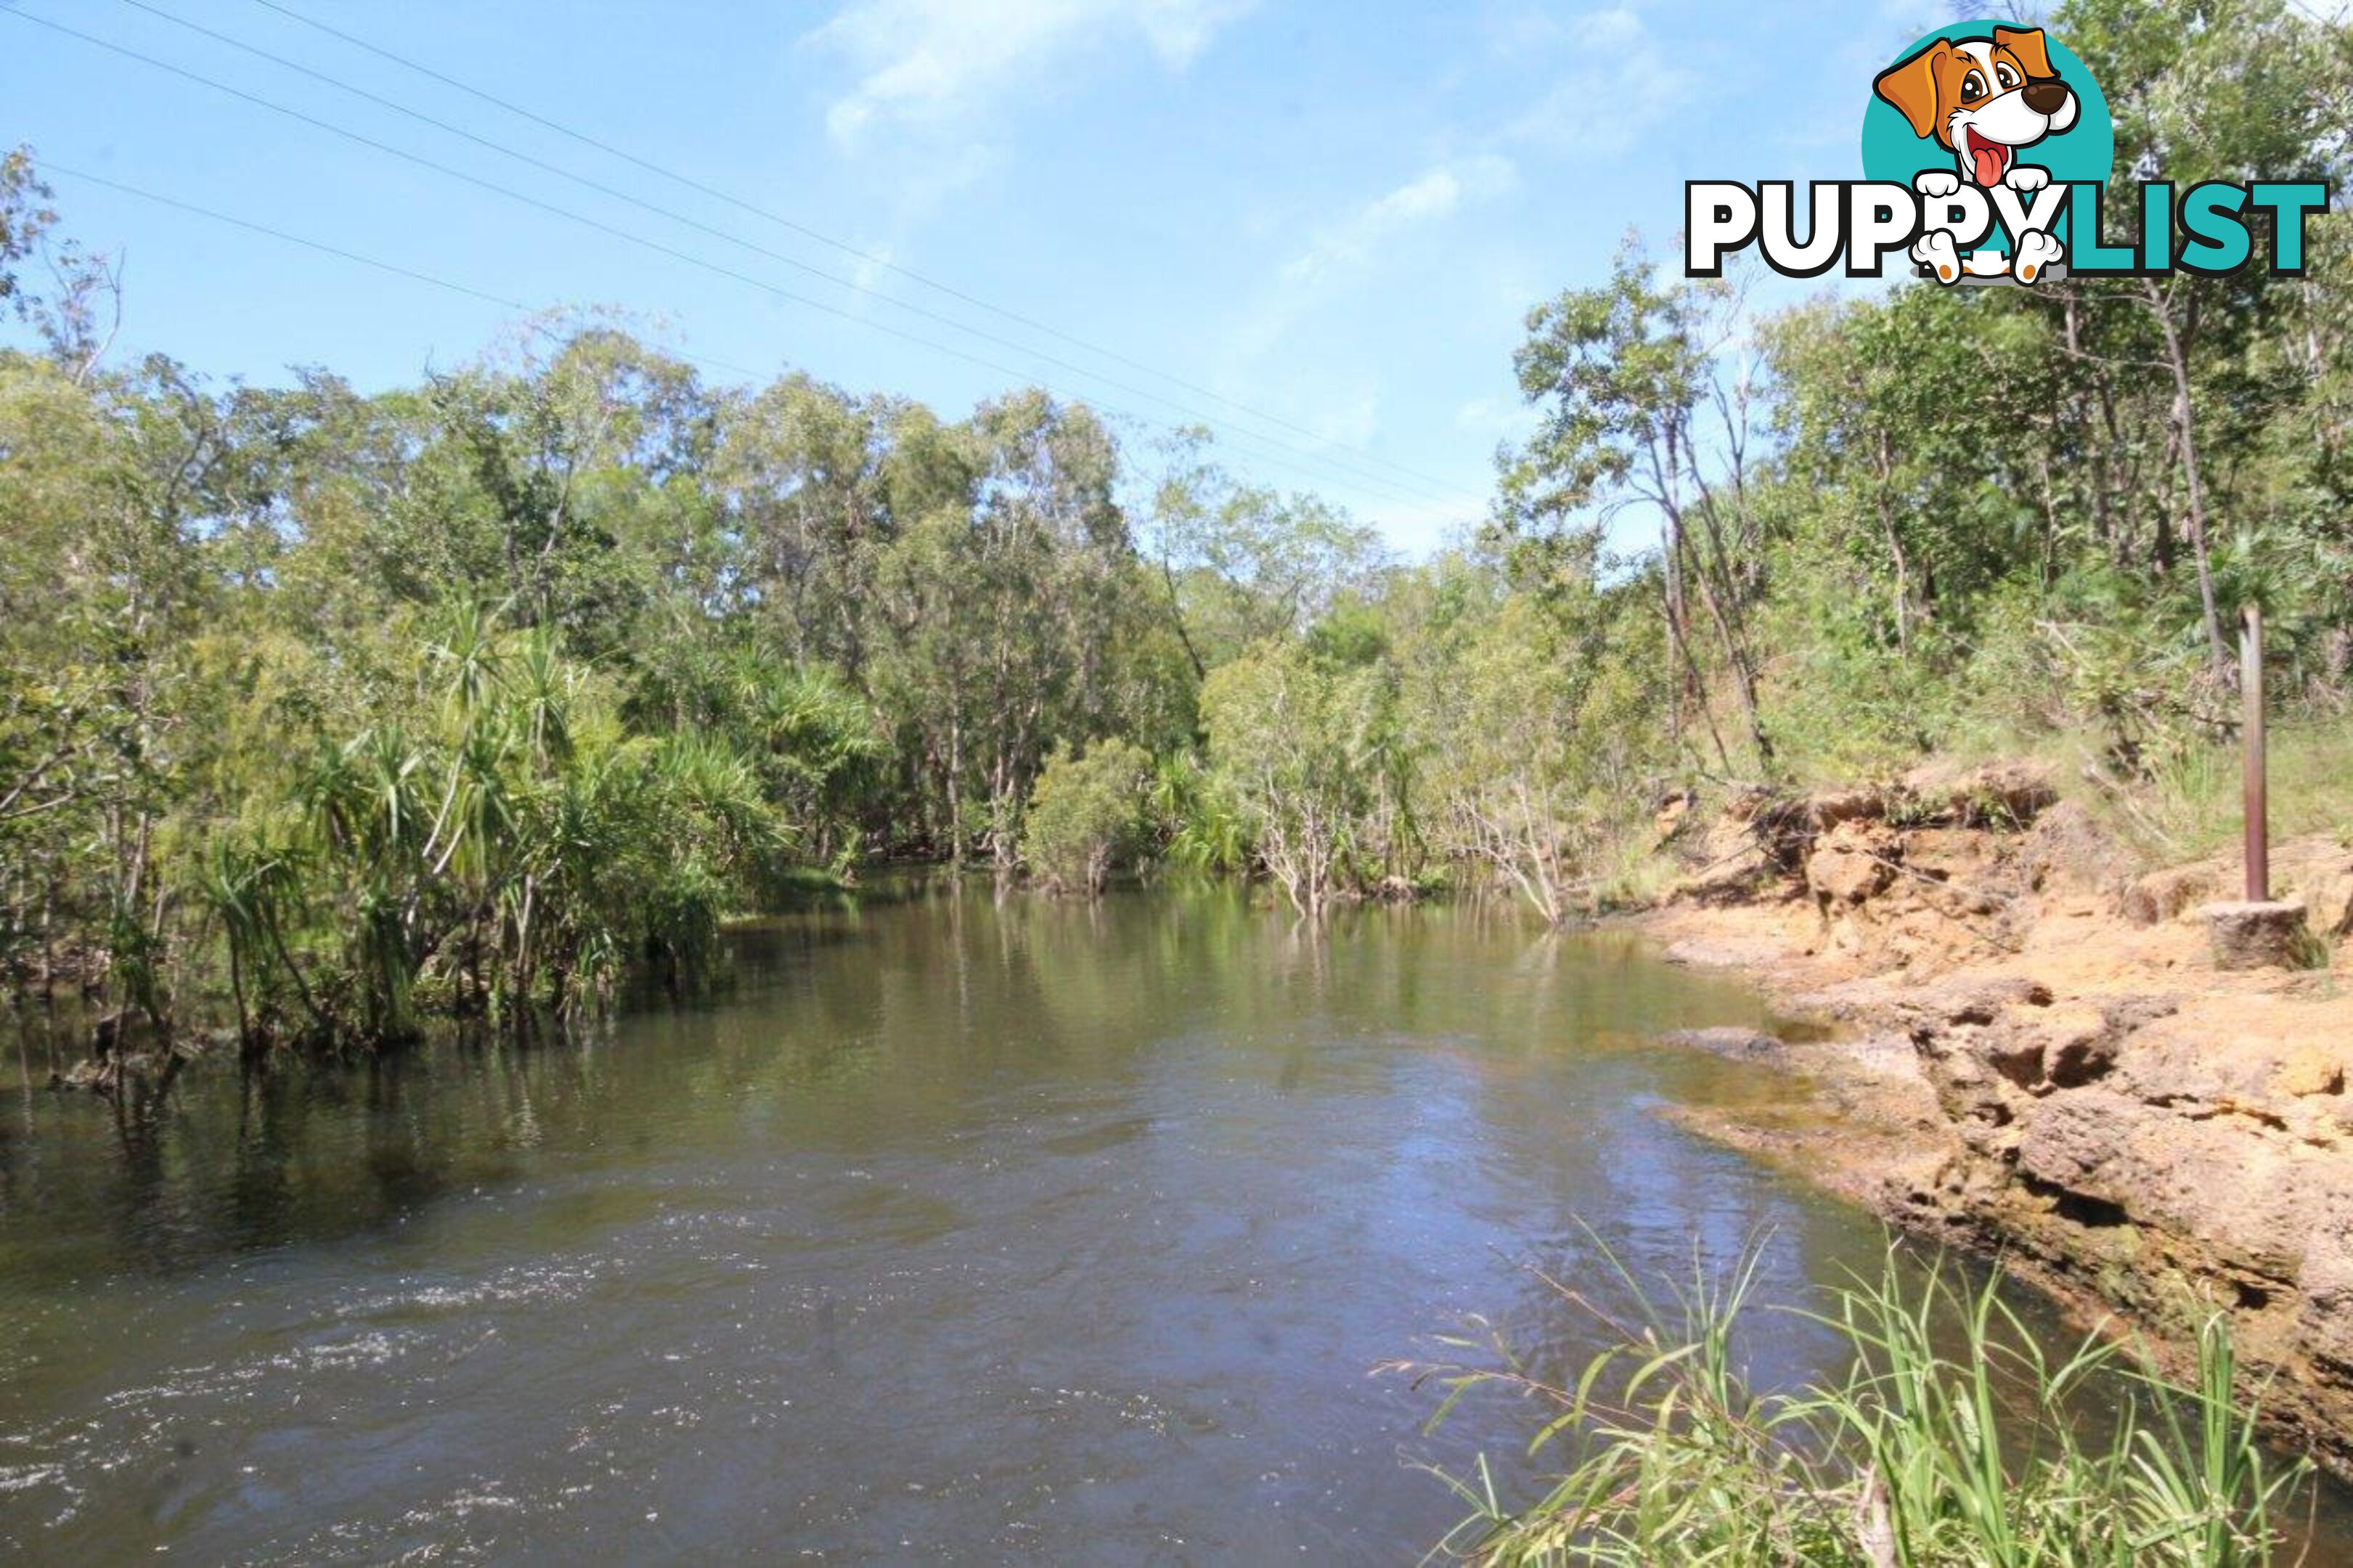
(330, 710)
(1954, 1438)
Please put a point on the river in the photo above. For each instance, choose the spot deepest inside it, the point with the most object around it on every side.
(953, 1227)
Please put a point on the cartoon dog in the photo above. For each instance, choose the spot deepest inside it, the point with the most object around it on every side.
(1983, 100)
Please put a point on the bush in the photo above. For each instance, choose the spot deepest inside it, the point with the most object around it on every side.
(1086, 814)
(1309, 747)
(1953, 1439)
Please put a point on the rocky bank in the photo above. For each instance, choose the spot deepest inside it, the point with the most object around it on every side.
(2033, 1052)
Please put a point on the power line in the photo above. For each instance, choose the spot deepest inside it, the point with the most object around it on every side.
(414, 275)
(854, 252)
(379, 264)
(1338, 462)
(1335, 466)
(49, 166)
(1395, 492)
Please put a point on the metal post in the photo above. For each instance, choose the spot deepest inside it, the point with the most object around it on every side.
(2258, 805)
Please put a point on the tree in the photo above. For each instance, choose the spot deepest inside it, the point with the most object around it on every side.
(803, 478)
(1012, 609)
(24, 216)
(1239, 564)
(1645, 402)
(1306, 741)
(77, 315)
(2240, 91)
(1086, 814)
(101, 588)
(1534, 721)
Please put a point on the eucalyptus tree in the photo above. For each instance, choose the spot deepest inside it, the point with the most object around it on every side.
(551, 478)
(801, 476)
(1645, 392)
(25, 216)
(1007, 598)
(1050, 553)
(1305, 738)
(107, 487)
(1902, 419)
(1239, 562)
(1532, 718)
(2246, 90)
(79, 310)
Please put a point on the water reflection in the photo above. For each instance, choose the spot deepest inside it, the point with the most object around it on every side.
(1014, 1229)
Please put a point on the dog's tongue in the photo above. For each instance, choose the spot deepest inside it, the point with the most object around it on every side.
(1988, 157)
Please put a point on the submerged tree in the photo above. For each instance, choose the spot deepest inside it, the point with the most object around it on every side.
(1086, 814)
(343, 711)
(1306, 739)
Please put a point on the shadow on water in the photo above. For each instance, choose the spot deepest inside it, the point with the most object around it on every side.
(1006, 1229)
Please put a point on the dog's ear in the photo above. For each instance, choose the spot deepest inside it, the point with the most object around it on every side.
(1911, 85)
(2027, 44)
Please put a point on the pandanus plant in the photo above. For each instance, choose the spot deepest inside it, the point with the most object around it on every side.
(370, 815)
(250, 887)
(1205, 831)
(504, 844)
(817, 742)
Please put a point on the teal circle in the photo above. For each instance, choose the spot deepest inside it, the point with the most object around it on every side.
(2084, 150)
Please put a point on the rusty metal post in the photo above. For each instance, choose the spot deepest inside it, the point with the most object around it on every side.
(2257, 801)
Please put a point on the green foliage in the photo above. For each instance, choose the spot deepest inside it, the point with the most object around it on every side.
(1535, 716)
(1086, 814)
(348, 711)
(472, 700)
(1954, 1438)
(1636, 380)
(498, 840)
(2034, 513)
(1310, 750)
(1198, 819)
(25, 216)
(1239, 564)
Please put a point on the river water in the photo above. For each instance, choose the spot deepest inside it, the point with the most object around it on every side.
(1023, 1231)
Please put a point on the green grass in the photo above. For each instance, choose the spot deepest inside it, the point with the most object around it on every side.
(1955, 1437)
(1632, 871)
(2192, 808)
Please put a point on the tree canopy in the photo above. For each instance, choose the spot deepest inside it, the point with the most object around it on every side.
(337, 711)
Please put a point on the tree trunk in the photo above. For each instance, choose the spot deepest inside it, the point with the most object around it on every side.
(2177, 359)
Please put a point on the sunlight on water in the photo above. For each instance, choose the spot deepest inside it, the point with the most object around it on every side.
(1030, 1232)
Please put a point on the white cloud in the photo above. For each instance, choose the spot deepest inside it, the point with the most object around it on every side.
(934, 62)
(1432, 194)
(1351, 245)
(1498, 419)
(1619, 85)
(1512, 28)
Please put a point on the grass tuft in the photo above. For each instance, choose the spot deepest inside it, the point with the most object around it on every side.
(1954, 1438)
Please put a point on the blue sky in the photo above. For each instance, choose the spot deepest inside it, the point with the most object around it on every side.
(1334, 215)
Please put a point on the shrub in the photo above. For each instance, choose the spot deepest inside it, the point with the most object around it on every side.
(1087, 813)
(1954, 1438)
(1310, 750)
